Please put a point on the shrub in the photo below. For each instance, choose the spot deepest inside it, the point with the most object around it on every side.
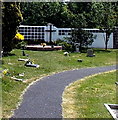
(20, 44)
(58, 42)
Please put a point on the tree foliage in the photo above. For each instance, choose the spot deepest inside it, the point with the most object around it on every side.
(58, 13)
(11, 19)
(105, 18)
(81, 36)
(71, 14)
(85, 14)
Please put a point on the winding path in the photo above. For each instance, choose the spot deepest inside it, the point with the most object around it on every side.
(43, 99)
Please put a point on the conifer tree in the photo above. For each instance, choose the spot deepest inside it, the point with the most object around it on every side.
(11, 19)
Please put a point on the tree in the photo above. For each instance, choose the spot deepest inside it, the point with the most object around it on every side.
(58, 13)
(41, 13)
(81, 11)
(105, 17)
(81, 36)
(11, 19)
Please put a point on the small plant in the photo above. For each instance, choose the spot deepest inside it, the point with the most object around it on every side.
(58, 42)
(65, 44)
(19, 41)
(5, 72)
(43, 44)
(20, 44)
(19, 36)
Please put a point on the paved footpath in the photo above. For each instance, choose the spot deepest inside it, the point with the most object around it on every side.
(43, 99)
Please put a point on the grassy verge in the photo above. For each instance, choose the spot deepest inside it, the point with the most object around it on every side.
(0, 96)
(50, 62)
(85, 98)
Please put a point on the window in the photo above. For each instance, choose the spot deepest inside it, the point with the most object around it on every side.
(69, 33)
(64, 32)
(59, 32)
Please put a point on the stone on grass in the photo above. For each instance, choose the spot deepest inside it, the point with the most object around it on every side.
(21, 74)
(17, 79)
(66, 54)
(20, 59)
(77, 47)
(79, 60)
(113, 110)
(90, 53)
(116, 83)
(23, 53)
(30, 64)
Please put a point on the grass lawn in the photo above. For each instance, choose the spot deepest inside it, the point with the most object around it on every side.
(86, 98)
(50, 62)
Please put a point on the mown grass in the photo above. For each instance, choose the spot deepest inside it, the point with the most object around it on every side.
(50, 62)
(89, 95)
(0, 96)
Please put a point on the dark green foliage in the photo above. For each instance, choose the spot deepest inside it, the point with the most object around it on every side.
(81, 36)
(11, 19)
(58, 41)
(65, 45)
(71, 14)
(20, 45)
(42, 13)
(105, 17)
(58, 13)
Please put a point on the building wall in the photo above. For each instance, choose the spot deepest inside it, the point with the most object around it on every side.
(32, 32)
(99, 42)
(42, 33)
(115, 38)
(63, 33)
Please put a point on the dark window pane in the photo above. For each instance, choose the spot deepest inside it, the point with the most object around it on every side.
(63, 33)
(59, 33)
(69, 33)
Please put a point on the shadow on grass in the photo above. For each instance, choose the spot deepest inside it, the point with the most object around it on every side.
(102, 50)
(8, 54)
(96, 50)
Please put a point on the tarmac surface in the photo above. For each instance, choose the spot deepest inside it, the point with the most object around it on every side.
(43, 99)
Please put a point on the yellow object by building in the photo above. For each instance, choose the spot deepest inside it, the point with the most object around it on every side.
(19, 36)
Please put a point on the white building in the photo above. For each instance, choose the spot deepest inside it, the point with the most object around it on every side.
(42, 33)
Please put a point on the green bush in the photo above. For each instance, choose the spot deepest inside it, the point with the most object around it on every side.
(21, 44)
(58, 42)
(65, 45)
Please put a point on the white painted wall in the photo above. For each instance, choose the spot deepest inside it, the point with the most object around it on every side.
(99, 42)
(62, 36)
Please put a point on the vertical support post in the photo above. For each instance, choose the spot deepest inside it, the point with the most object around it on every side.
(50, 33)
(50, 30)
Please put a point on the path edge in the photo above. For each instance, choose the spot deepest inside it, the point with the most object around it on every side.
(83, 79)
(37, 80)
(41, 78)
